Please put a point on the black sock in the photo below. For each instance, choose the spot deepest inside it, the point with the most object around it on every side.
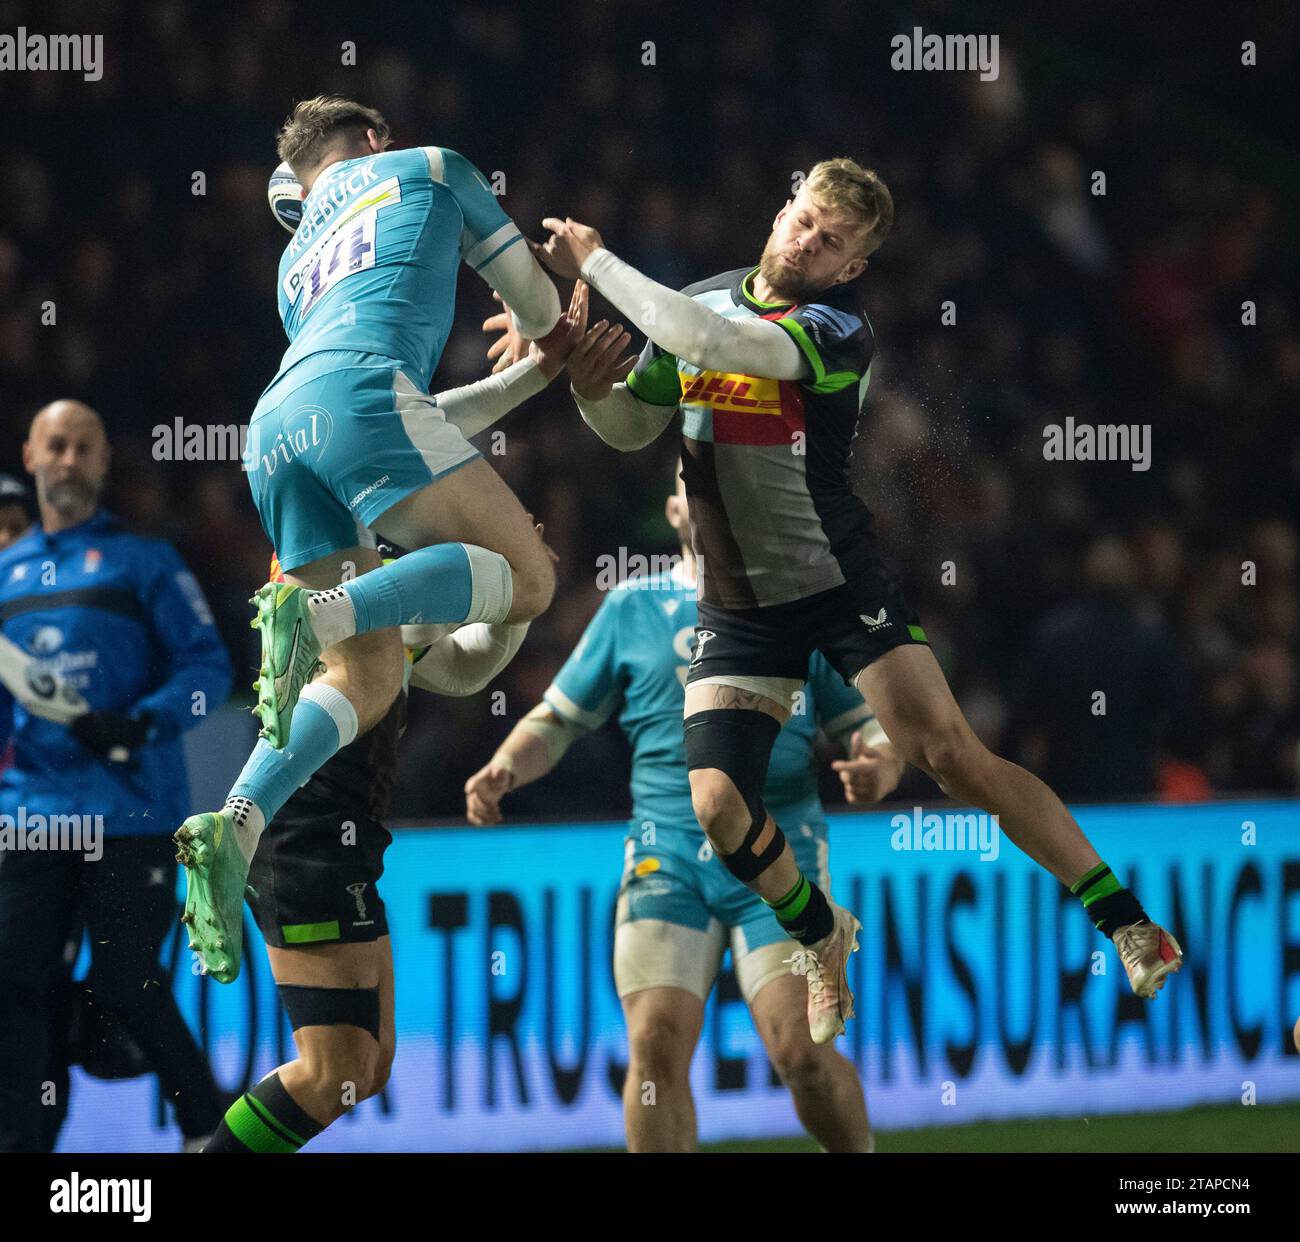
(1109, 906)
(265, 1119)
(804, 912)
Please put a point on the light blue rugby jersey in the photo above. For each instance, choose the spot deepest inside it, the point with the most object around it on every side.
(632, 660)
(373, 265)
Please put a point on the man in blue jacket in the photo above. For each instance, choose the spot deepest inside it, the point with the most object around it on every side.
(87, 807)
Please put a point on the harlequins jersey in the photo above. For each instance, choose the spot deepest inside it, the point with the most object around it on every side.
(765, 461)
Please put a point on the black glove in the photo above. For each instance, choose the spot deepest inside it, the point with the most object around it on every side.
(112, 735)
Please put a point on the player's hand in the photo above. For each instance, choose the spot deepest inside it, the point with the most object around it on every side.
(598, 362)
(552, 351)
(549, 352)
(566, 250)
(484, 791)
(510, 347)
(871, 773)
(112, 735)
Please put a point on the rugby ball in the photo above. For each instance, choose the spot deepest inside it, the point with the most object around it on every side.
(285, 196)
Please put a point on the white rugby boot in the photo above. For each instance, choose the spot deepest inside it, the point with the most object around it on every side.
(1150, 954)
(825, 966)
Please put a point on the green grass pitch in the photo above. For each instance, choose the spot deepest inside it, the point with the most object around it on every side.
(1217, 1128)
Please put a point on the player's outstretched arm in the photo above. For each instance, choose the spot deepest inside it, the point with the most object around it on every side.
(525, 287)
(585, 692)
(523, 368)
(493, 245)
(678, 324)
(532, 748)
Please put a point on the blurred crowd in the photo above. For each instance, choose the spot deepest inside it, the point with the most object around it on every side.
(678, 133)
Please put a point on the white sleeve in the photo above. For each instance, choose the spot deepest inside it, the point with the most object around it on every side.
(873, 733)
(524, 286)
(492, 245)
(466, 660)
(681, 326)
(475, 407)
(623, 420)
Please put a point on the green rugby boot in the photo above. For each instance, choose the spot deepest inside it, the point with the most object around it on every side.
(215, 875)
(290, 656)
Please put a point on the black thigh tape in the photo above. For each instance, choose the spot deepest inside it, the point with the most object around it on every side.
(738, 741)
(331, 1006)
(735, 740)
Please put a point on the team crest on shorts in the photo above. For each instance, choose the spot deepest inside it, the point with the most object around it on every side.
(356, 890)
(700, 639)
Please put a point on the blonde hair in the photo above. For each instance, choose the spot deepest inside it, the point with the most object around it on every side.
(315, 125)
(844, 185)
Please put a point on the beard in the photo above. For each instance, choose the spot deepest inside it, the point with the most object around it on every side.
(72, 495)
(787, 282)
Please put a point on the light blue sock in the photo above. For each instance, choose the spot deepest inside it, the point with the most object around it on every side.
(448, 582)
(427, 585)
(323, 721)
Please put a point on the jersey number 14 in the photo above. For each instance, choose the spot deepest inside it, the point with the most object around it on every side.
(353, 250)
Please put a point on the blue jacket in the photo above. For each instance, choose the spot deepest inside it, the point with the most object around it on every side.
(123, 619)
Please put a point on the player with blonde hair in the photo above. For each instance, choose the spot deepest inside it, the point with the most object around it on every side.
(769, 367)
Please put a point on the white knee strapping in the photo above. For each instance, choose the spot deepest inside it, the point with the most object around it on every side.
(340, 710)
(492, 585)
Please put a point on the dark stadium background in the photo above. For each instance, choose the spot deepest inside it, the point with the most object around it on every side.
(1123, 308)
